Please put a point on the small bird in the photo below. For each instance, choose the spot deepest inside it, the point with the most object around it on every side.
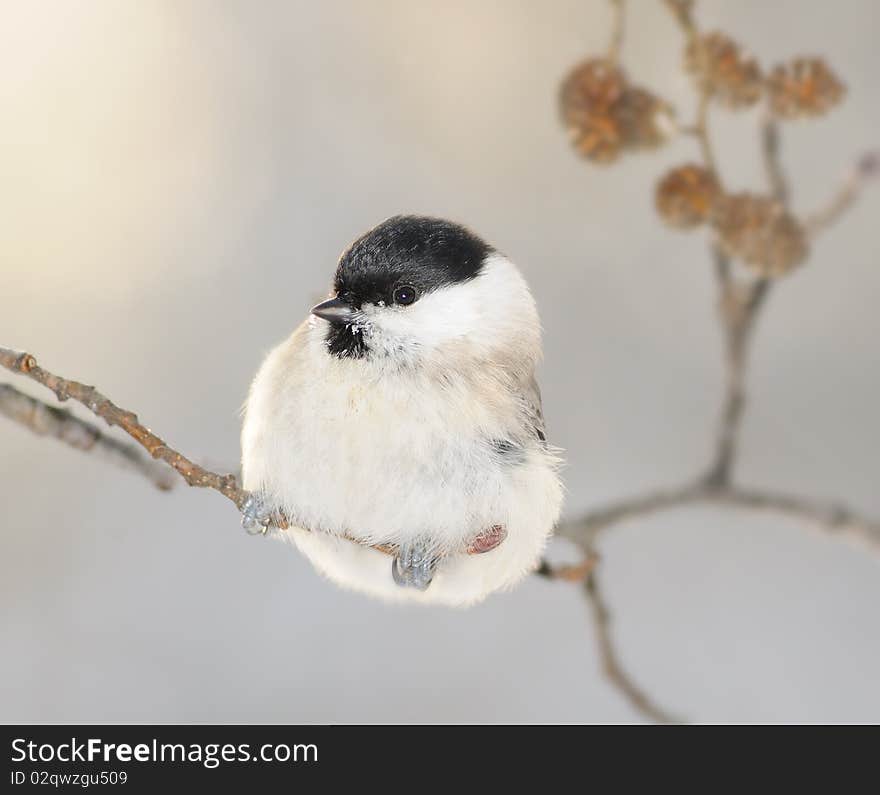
(398, 432)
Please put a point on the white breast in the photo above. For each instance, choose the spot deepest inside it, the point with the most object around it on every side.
(387, 456)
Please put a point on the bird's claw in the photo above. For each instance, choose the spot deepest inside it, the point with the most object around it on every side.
(414, 565)
(256, 516)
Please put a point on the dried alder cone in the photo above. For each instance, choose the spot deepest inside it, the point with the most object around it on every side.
(761, 232)
(803, 87)
(755, 229)
(606, 115)
(723, 71)
(685, 196)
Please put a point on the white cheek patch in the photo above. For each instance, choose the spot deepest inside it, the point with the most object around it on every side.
(490, 307)
(438, 316)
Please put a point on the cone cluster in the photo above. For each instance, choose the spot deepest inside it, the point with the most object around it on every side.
(606, 115)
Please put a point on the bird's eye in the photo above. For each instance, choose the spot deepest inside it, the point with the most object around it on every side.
(404, 295)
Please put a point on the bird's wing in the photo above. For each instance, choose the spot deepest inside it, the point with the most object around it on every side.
(531, 394)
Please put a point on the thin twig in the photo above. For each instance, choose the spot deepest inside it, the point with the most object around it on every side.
(611, 665)
(617, 30)
(571, 572)
(738, 309)
(772, 159)
(682, 10)
(866, 169)
(46, 420)
(828, 516)
(739, 306)
(723, 268)
(584, 530)
(64, 389)
(701, 130)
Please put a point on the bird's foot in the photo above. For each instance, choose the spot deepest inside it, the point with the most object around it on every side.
(257, 516)
(414, 565)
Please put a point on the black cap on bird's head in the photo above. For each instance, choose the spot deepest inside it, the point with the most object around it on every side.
(395, 263)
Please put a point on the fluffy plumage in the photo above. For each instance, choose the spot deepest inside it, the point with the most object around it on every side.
(405, 422)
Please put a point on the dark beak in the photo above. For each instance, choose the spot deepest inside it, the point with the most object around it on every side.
(335, 310)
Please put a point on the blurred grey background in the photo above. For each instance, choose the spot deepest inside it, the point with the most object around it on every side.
(178, 179)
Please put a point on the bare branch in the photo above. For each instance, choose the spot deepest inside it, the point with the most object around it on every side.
(583, 531)
(739, 306)
(617, 30)
(866, 170)
(46, 420)
(576, 572)
(64, 389)
(682, 10)
(771, 157)
(828, 516)
(738, 309)
(701, 130)
(611, 665)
